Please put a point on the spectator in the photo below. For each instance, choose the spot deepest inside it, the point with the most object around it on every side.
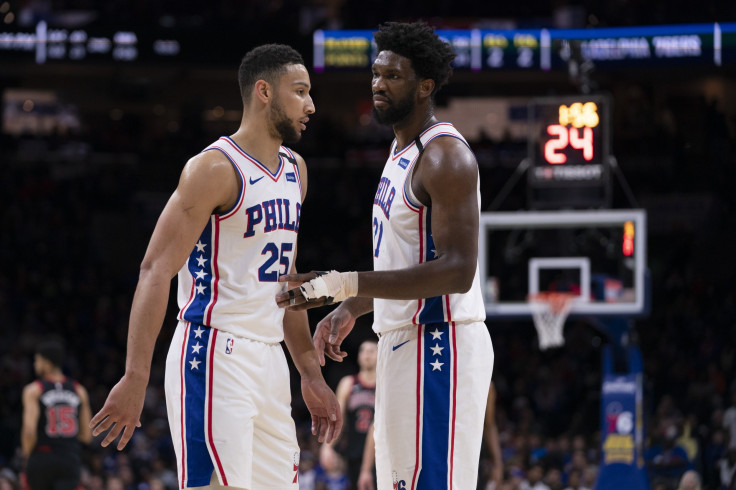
(690, 481)
(727, 468)
(534, 479)
(574, 480)
(729, 421)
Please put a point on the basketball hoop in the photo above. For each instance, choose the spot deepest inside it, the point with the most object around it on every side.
(549, 311)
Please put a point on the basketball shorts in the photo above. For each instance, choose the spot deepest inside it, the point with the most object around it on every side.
(229, 405)
(53, 471)
(431, 394)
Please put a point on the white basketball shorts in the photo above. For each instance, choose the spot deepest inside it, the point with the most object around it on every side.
(431, 394)
(229, 405)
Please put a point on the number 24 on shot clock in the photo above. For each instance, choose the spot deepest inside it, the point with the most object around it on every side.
(577, 127)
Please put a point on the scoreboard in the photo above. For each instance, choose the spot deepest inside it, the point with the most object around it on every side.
(548, 49)
(338, 50)
(520, 49)
(334, 50)
(475, 50)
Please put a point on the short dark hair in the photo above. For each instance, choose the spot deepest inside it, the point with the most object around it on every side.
(430, 56)
(267, 62)
(51, 350)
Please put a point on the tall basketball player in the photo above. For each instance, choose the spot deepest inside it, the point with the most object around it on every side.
(56, 415)
(434, 354)
(229, 230)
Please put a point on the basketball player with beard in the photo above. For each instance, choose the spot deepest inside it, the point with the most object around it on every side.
(435, 355)
(229, 231)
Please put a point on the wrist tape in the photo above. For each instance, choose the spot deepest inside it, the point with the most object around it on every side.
(336, 285)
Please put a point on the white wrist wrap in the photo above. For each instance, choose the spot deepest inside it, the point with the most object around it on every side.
(336, 285)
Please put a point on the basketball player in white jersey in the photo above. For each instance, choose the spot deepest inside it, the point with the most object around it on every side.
(229, 231)
(435, 355)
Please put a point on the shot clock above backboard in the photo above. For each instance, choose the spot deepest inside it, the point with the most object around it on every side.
(569, 148)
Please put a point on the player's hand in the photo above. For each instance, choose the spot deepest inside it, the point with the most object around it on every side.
(365, 481)
(324, 407)
(496, 476)
(330, 333)
(121, 412)
(23, 481)
(293, 299)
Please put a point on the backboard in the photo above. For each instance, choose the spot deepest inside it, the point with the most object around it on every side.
(600, 255)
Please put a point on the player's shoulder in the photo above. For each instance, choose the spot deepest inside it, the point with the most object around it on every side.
(33, 388)
(346, 383)
(211, 156)
(449, 150)
(209, 165)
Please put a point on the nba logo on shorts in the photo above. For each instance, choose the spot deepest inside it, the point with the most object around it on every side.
(229, 346)
(398, 484)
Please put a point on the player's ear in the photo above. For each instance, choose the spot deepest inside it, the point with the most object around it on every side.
(263, 91)
(426, 87)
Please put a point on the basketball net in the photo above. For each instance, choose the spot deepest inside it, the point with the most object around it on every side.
(549, 311)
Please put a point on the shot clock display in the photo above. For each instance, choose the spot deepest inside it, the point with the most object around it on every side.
(569, 138)
(569, 145)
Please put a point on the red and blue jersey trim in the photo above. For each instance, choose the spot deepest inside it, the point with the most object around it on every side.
(296, 167)
(396, 154)
(273, 176)
(234, 209)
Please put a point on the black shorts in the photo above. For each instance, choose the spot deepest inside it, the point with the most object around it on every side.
(51, 471)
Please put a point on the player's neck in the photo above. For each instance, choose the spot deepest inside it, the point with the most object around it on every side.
(367, 377)
(54, 376)
(256, 140)
(413, 125)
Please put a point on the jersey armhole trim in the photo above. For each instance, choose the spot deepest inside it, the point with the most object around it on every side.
(241, 194)
(409, 198)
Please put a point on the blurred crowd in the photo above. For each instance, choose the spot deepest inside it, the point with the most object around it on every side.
(73, 240)
(78, 209)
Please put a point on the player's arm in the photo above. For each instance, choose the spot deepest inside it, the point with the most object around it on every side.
(319, 398)
(31, 414)
(333, 328)
(85, 414)
(342, 393)
(365, 478)
(207, 184)
(490, 434)
(446, 179)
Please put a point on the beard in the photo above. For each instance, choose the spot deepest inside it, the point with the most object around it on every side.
(283, 127)
(395, 113)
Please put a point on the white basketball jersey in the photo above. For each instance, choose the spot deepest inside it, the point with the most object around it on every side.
(230, 279)
(402, 237)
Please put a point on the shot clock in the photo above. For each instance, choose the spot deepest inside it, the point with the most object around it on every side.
(569, 151)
